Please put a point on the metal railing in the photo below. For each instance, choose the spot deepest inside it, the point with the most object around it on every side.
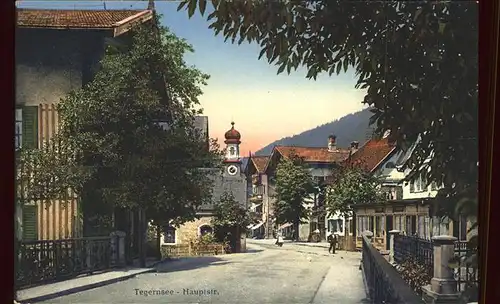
(412, 246)
(53, 260)
(422, 250)
(384, 282)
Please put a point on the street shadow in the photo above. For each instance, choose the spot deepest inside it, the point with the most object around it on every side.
(183, 264)
(253, 250)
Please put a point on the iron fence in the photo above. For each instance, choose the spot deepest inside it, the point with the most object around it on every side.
(421, 250)
(384, 282)
(467, 276)
(53, 260)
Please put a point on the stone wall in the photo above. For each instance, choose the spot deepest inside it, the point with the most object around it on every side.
(190, 230)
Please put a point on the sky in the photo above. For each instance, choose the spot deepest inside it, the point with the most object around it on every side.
(264, 106)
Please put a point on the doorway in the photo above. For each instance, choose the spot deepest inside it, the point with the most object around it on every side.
(388, 227)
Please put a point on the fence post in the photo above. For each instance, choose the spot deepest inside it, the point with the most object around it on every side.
(393, 234)
(369, 235)
(443, 286)
(120, 235)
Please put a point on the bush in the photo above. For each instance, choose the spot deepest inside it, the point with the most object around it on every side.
(415, 274)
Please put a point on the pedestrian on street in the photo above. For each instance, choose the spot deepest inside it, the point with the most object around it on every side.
(279, 239)
(332, 240)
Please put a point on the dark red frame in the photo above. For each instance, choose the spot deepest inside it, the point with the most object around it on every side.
(488, 93)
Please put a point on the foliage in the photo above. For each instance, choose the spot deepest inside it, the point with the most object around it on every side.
(417, 61)
(415, 274)
(353, 186)
(132, 125)
(48, 172)
(230, 213)
(205, 239)
(294, 184)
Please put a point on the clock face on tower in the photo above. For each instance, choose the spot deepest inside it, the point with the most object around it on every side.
(232, 170)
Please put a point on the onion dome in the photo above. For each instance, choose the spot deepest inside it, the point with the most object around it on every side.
(232, 136)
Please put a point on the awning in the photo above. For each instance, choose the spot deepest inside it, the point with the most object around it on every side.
(257, 226)
(285, 225)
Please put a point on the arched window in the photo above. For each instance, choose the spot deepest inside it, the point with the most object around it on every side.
(205, 229)
(232, 150)
(169, 235)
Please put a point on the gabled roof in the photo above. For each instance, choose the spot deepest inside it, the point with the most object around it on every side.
(311, 154)
(314, 154)
(372, 154)
(259, 162)
(117, 20)
(401, 162)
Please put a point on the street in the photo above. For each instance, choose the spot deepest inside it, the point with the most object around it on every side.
(265, 274)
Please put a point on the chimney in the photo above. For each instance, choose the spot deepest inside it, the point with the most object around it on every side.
(354, 146)
(332, 146)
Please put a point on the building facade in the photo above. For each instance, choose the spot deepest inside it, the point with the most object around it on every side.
(408, 204)
(69, 45)
(320, 161)
(231, 179)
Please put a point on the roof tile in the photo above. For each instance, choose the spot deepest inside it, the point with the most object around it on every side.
(72, 18)
(371, 154)
(313, 154)
(260, 162)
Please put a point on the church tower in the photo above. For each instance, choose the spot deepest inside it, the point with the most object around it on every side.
(232, 159)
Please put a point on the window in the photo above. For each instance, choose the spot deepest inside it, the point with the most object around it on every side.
(379, 226)
(205, 229)
(399, 223)
(232, 150)
(19, 129)
(169, 235)
(30, 227)
(390, 165)
(411, 225)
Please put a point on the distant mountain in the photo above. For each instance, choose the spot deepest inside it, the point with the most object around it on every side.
(352, 127)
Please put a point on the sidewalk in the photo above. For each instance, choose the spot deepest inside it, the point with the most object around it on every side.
(81, 283)
(343, 283)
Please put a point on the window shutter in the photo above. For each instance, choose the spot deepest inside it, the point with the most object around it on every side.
(412, 186)
(30, 222)
(30, 127)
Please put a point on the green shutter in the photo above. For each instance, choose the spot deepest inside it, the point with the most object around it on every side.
(30, 127)
(30, 220)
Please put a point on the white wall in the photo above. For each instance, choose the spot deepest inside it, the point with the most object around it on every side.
(388, 170)
(320, 172)
(426, 192)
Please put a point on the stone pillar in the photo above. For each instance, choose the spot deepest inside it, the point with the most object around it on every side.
(114, 248)
(443, 286)
(369, 235)
(392, 234)
(243, 242)
(120, 238)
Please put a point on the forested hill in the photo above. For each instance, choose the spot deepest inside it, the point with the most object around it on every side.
(352, 127)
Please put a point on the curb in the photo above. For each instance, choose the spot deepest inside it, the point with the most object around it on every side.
(81, 288)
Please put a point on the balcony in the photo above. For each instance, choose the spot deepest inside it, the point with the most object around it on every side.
(257, 193)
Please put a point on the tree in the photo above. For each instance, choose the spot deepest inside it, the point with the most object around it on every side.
(353, 186)
(132, 125)
(230, 217)
(294, 184)
(417, 60)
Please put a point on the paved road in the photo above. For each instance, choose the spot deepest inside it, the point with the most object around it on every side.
(266, 274)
